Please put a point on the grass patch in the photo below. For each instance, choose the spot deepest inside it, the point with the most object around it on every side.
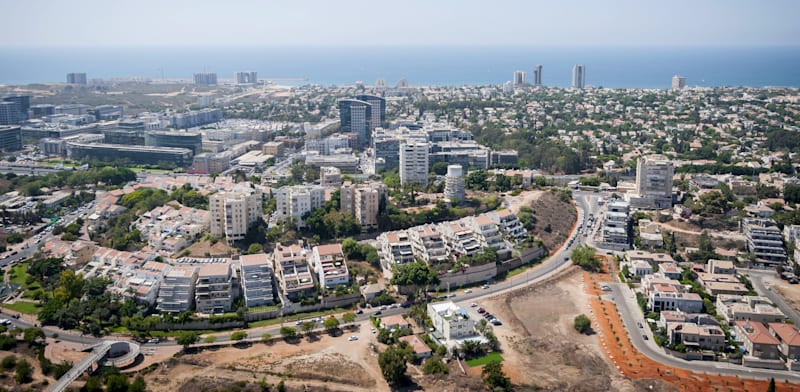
(119, 329)
(493, 356)
(23, 307)
(265, 308)
(18, 274)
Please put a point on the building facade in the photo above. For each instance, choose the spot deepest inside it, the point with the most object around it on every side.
(76, 78)
(190, 140)
(454, 183)
(414, 163)
(678, 82)
(10, 138)
(537, 75)
(257, 278)
(292, 202)
(214, 291)
(579, 76)
(654, 181)
(355, 117)
(234, 212)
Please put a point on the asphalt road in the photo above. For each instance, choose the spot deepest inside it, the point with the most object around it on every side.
(762, 289)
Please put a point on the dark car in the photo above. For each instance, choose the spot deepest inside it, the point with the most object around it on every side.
(645, 337)
(378, 313)
(360, 311)
(481, 310)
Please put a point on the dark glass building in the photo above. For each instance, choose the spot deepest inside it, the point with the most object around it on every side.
(356, 117)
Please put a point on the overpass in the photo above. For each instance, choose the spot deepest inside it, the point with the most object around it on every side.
(107, 352)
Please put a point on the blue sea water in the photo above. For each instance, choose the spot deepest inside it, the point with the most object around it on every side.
(614, 67)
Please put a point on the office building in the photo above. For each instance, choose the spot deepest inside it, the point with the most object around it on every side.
(292, 202)
(10, 138)
(41, 110)
(190, 140)
(106, 112)
(329, 263)
(519, 78)
(378, 106)
(196, 118)
(454, 183)
(678, 82)
(76, 78)
(233, 212)
(23, 105)
(414, 163)
(579, 76)
(128, 137)
(294, 274)
(355, 117)
(177, 290)
(213, 291)
(653, 182)
(275, 149)
(130, 154)
(205, 79)
(246, 77)
(362, 201)
(257, 277)
(537, 75)
(10, 113)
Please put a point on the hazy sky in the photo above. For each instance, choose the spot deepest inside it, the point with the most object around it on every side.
(398, 22)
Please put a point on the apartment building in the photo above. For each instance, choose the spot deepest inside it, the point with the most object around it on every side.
(177, 290)
(615, 226)
(460, 239)
(292, 202)
(395, 249)
(214, 290)
(759, 309)
(330, 265)
(427, 244)
(451, 321)
(764, 239)
(362, 201)
(509, 225)
(414, 163)
(330, 176)
(257, 280)
(653, 182)
(234, 212)
(490, 235)
(293, 272)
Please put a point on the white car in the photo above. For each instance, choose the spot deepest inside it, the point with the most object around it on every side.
(351, 338)
(468, 291)
(473, 305)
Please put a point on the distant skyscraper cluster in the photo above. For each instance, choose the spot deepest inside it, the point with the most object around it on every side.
(579, 76)
(245, 77)
(537, 75)
(205, 79)
(678, 82)
(76, 78)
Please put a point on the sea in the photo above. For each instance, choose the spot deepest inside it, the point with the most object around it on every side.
(610, 67)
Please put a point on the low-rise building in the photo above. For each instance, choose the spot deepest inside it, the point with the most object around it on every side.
(291, 265)
(257, 276)
(330, 265)
(213, 291)
(757, 340)
(697, 337)
(421, 350)
(721, 267)
(177, 290)
(670, 270)
(759, 309)
(450, 320)
(395, 322)
(789, 338)
(716, 284)
(638, 267)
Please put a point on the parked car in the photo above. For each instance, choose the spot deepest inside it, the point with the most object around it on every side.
(481, 310)
(352, 338)
(645, 337)
(496, 322)
(472, 305)
(360, 311)
(639, 324)
(378, 313)
(467, 291)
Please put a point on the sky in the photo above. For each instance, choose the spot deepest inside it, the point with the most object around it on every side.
(248, 23)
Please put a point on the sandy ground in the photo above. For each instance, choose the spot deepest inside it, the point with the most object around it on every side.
(790, 292)
(332, 362)
(523, 199)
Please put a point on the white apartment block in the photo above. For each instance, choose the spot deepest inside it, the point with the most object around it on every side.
(330, 265)
(490, 236)
(292, 202)
(234, 211)
(362, 201)
(257, 275)
(451, 321)
(414, 163)
(654, 182)
(330, 176)
(177, 290)
(213, 291)
(460, 239)
(293, 272)
(427, 244)
(510, 225)
(395, 248)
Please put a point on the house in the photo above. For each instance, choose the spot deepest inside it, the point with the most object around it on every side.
(421, 350)
(716, 284)
(450, 320)
(670, 270)
(698, 337)
(789, 338)
(721, 267)
(757, 340)
(370, 291)
(735, 308)
(394, 322)
(639, 267)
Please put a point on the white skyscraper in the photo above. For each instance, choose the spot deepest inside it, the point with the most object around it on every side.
(454, 183)
(678, 82)
(579, 76)
(519, 78)
(414, 163)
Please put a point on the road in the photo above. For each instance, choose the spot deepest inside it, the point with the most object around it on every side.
(762, 289)
(625, 299)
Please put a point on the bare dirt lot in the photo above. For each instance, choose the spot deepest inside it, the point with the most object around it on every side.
(554, 217)
(790, 292)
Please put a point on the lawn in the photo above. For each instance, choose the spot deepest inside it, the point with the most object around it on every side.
(23, 307)
(19, 273)
(493, 356)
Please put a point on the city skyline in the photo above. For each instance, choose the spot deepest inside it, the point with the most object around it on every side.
(631, 23)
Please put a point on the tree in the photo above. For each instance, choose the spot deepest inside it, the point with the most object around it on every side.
(308, 326)
(492, 340)
(266, 338)
(9, 362)
(434, 365)
(584, 256)
(210, 339)
(417, 275)
(138, 385)
(494, 377)
(238, 335)
(187, 339)
(331, 324)
(288, 333)
(30, 335)
(117, 383)
(255, 248)
(393, 365)
(771, 387)
(24, 372)
(582, 323)
(349, 317)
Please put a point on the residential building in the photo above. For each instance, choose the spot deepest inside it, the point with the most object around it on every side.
(509, 225)
(791, 233)
(294, 274)
(257, 277)
(246, 77)
(329, 263)
(205, 78)
(670, 270)
(363, 201)
(721, 267)
(451, 321)
(355, 117)
(214, 291)
(196, 118)
(638, 267)
(414, 163)
(697, 337)
(427, 244)
(759, 309)
(789, 338)
(460, 239)
(395, 249)
(764, 239)
(664, 297)
(650, 234)
(615, 226)
(378, 106)
(292, 202)
(454, 183)
(653, 182)
(489, 235)
(10, 138)
(421, 350)
(578, 76)
(233, 212)
(716, 284)
(76, 78)
(395, 322)
(330, 176)
(651, 258)
(537, 75)
(678, 82)
(177, 290)
(757, 340)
